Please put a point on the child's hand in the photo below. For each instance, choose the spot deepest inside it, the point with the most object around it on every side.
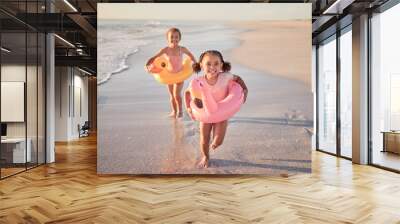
(149, 67)
(243, 85)
(149, 62)
(189, 111)
(245, 95)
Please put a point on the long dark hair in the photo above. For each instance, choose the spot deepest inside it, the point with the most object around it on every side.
(226, 66)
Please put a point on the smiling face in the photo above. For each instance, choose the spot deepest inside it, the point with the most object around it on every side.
(173, 38)
(211, 65)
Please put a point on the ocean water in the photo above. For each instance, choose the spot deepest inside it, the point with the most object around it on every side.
(119, 39)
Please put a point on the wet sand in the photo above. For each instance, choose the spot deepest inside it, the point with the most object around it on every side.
(269, 135)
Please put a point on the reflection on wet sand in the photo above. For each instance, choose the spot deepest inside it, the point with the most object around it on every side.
(181, 156)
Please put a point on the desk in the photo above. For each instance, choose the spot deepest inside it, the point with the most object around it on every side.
(17, 150)
(391, 141)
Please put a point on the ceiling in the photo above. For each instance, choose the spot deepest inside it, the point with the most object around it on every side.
(75, 21)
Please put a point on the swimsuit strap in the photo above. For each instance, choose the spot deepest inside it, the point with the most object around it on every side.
(180, 53)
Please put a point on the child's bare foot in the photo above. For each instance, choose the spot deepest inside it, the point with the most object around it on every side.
(203, 162)
(179, 114)
(172, 114)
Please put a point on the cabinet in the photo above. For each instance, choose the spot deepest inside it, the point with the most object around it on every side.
(391, 141)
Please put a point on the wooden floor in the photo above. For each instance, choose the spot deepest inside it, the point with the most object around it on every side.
(69, 191)
(5, 172)
(388, 159)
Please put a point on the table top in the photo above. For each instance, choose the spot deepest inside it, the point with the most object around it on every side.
(391, 132)
(13, 140)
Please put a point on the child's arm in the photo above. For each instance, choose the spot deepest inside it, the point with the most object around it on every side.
(242, 84)
(161, 52)
(187, 104)
(188, 53)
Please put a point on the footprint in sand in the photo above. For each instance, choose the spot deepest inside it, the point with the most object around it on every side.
(291, 115)
(190, 128)
(309, 131)
(191, 131)
(186, 118)
(295, 116)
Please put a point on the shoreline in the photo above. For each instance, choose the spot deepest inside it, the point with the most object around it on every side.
(272, 42)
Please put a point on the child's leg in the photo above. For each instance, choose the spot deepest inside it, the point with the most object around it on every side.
(172, 100)
(205, 133)
(219, 134)
(178, 99)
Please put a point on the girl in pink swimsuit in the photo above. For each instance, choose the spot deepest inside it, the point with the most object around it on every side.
(174, 54)
(217, 78)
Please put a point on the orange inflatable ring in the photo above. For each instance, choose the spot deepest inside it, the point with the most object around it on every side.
(159, 69)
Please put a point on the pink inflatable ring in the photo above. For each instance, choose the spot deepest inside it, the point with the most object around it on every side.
(212, 111)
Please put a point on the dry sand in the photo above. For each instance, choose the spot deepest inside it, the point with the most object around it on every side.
(267, 45)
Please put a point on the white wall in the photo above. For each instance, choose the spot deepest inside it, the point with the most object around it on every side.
(14, 73)
(12, 101)
(62, 81)
(70, 83)
(80, 100)
(33, 126)
(17, 73)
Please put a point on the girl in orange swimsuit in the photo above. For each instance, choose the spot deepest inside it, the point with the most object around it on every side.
(174, 54)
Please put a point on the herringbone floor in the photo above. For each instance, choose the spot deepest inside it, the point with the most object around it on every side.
(69, 191)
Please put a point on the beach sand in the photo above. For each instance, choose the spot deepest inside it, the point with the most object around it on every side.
(281, 48)
(269, 135)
